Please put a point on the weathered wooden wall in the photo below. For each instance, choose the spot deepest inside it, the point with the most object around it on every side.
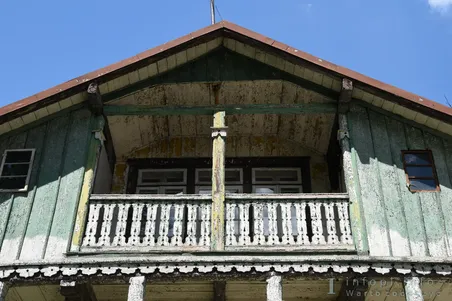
(38, 224)
(236, 146)
(398, 222)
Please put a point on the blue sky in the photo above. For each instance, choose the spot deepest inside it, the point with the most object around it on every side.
(406, 43)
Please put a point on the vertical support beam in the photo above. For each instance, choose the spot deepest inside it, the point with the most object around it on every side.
(73, 291)
(93, 153)
(137, 288)
(274, 288)
(413, 290)
(3, 290)
(218, 174)
(350, 172)
(219, 288)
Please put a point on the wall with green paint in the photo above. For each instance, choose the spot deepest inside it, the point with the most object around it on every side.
(37, 224)
(399, 222)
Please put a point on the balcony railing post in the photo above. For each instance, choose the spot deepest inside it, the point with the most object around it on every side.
(218, 175)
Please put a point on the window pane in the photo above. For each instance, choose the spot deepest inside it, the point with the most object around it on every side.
(419, 171)
(162, 176)
(148, 191)
(205, 191)
(232, 176)
(15, 169)
(265, 190)
(276, 175)
(175, 190)
(264, 175)
(417, 158)
(12, 183)
(290, 189)
(421, 184)
(18, 156)
(204, 176)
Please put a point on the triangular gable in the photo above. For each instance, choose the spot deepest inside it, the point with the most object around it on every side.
(163, 58)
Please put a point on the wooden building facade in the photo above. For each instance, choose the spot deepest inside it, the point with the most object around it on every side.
(225, 166)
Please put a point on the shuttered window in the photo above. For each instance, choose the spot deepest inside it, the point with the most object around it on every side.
(420, 170)
(16, 169)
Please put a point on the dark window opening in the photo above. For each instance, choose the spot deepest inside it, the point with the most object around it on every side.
(420, 170)
(15, 169)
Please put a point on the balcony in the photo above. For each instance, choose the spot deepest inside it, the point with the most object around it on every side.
(253, 222)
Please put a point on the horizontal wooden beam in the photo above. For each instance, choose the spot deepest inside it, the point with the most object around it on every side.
(310, 108)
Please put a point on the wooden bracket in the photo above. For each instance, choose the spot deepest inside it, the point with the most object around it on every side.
(73, 291)
(95, 99)
(346, 95)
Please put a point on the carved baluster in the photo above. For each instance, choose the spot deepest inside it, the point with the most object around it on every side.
(191, 224)
(105, 238)
(302, 228)
(230, 208)
(317, 229)
(178, 219)
(164, 224)
(120, 237)
(287, 223)
(149, 228)
(91, 226)
(207, 222)
(344, 223)
(330, 224)
(259, 238)
(137, 213)
(244, 236)
(273, 238)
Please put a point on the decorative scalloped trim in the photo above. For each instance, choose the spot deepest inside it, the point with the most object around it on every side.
(71, 270)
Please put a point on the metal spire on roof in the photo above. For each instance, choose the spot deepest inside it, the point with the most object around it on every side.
(212, 11)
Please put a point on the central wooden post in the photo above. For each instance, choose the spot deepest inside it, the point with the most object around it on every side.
(274, 288)
(137, 288)
(413, 290)
(218, 189)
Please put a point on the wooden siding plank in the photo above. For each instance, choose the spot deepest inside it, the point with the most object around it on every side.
(6, 199)
(410, 202)
(388, 183)
(21, 207)
(443, 198)
(432, 216)
(47, 190)
(367, 167)
(70, 184)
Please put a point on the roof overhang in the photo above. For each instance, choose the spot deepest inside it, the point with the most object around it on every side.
(165, 57)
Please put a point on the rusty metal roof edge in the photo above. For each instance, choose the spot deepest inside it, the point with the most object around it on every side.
(413, 100)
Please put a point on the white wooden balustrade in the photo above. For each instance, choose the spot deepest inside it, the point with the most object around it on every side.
(288, 221)
(253, 222)
(159, 222)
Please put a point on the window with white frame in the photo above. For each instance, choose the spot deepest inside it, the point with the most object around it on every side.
(233, 180)
(276, 180)
(161, 181)
(16, 169)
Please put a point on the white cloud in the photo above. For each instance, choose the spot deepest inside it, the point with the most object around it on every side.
(441, 5)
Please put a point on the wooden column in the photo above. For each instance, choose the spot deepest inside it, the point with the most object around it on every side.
(73, 291)
(218, 190)
(3, 290)
(274, 288)
(219, 288)
(350, 172)
(137, 288)
(413, 290)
